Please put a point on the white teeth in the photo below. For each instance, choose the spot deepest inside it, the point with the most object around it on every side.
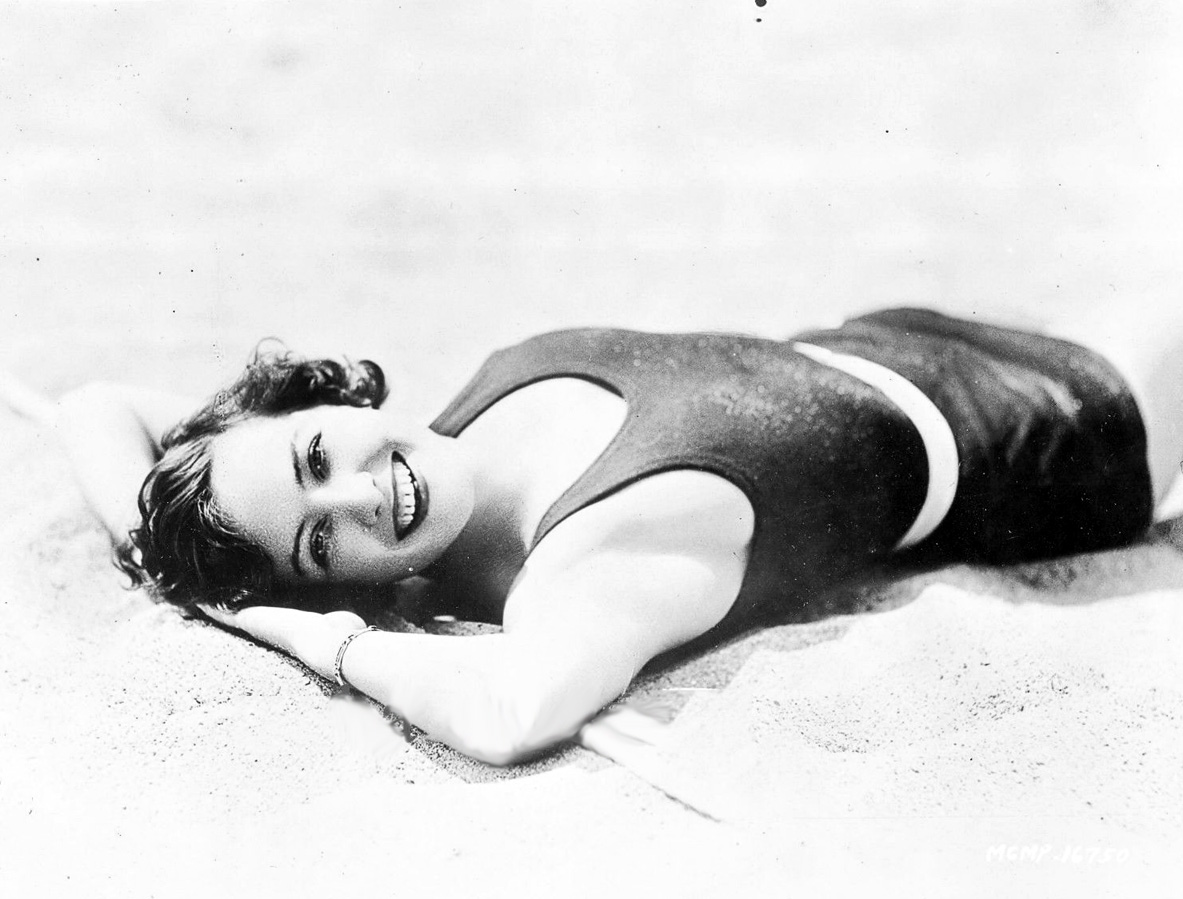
(404, 496)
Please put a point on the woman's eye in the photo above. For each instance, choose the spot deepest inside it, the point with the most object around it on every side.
(318, 545)
(317, 463)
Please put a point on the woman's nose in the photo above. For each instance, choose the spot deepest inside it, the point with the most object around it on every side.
(354, 494)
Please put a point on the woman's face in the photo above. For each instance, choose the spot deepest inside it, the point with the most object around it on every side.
(341, 494)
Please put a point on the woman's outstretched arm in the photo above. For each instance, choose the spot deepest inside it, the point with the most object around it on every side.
(495, 697)
(111, 434)
(579, 625)
(482, 695)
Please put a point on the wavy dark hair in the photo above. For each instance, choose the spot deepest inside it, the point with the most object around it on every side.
(185, 550)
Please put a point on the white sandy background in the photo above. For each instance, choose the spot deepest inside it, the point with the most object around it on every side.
(421, 183)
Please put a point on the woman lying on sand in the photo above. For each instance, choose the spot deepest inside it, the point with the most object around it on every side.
(608, 495)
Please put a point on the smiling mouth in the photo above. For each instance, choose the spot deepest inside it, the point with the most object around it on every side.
(408, 498)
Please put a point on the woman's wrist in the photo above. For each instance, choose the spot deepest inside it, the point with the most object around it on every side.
(319, 647)
(339, 660)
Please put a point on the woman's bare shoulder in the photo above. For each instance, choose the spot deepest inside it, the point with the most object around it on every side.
(684, 509)
(698, 517)
(661, 560)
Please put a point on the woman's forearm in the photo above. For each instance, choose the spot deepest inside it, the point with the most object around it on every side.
(110, 452)
(495, 697)
(111, 434)
(487, 696)
(459, 690)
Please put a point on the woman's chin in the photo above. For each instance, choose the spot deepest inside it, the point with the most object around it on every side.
(450, 497)
(435, 535)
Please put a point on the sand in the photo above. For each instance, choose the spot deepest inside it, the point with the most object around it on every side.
(421, 185)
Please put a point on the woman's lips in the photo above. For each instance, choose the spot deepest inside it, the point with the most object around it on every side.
(407, 506)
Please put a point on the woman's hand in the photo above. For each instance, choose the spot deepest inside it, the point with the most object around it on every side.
(319, 644)
(25, 401)
(309, 637)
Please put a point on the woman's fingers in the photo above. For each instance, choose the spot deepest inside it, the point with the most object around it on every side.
(624, 733)
(309, 636)
(24, 400)
(637, 736)
(345, 621)
(224, 617)
(287, 629)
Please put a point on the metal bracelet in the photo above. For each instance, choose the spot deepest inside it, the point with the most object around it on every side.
(341, 654)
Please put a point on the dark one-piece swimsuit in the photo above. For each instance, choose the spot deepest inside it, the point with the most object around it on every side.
(1051, 448)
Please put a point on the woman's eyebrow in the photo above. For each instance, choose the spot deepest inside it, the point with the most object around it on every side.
(296, 464)
(299, 538)
(296, 543)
